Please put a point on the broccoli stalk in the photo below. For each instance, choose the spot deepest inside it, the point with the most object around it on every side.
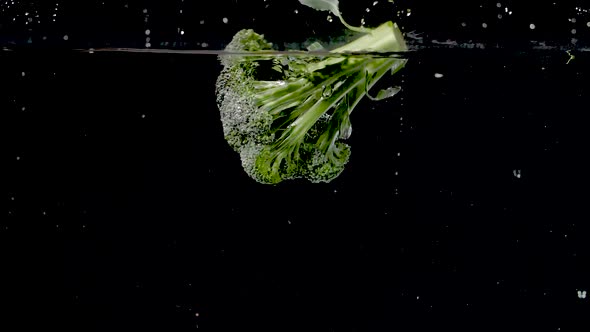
(289, 125)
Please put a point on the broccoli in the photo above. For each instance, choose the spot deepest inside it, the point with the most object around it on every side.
(287, 114)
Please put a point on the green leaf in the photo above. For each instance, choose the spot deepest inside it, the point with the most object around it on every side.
(383, 93)
(314, 47)
(386, 93)
(331, 5)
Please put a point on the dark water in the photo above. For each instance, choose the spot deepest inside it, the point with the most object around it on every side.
(463, 208)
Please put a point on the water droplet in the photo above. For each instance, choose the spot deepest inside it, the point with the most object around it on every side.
(517, 173)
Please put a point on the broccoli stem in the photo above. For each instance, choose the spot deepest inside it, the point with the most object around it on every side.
(385, 38)
(353, 88)
(350, 82)
(298, 129)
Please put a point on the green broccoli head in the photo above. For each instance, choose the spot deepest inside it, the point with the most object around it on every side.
(286, 115)
(243, 122)
(244, 41)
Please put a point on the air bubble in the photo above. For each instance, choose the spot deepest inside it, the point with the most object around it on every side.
(327, 91)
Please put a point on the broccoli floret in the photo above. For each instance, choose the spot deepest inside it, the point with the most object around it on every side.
(286, 114)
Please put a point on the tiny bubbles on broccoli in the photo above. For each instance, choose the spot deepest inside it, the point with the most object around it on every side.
(286, 115)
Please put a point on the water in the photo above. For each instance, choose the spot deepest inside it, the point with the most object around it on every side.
(464, 202)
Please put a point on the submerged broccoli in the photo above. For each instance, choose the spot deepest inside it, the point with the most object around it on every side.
(286, 115)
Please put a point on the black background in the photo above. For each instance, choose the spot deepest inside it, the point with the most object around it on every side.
(122, 23)
(463, 208)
